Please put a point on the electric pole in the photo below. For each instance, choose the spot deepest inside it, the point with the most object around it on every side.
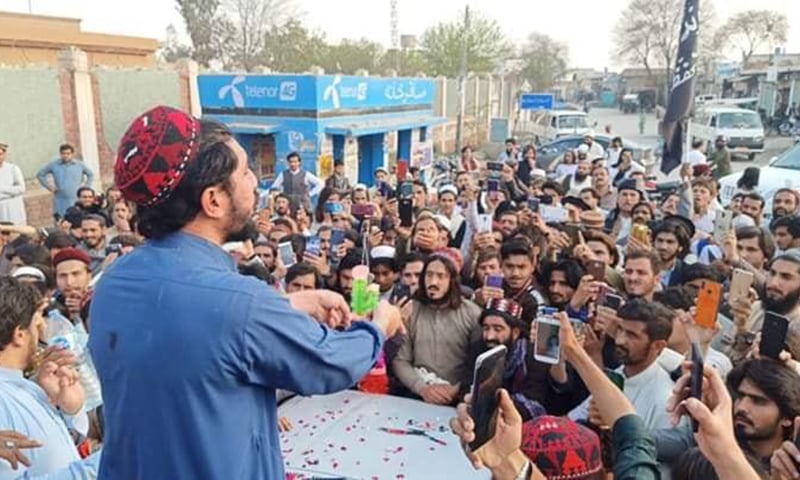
(462, 82)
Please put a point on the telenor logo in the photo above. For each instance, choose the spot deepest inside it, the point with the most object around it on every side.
(236, 95)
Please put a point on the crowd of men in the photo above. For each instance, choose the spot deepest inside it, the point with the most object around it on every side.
(569, 238)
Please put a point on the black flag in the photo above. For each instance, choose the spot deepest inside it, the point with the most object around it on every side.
(681, 95)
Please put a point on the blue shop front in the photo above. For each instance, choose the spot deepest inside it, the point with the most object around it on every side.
(324, 118)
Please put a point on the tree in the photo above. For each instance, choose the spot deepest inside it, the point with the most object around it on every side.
(351, 55)
(253, 20)
(172, 49)
(293, 48)
(545, 60)
(752, 30)
(647, 33)
(486, 46)
(208, 29)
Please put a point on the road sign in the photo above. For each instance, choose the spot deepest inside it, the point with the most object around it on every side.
(536, 101)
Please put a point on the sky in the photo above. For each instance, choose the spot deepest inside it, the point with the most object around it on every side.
(585, 25)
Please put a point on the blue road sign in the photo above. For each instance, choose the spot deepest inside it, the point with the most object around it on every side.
(536, 101)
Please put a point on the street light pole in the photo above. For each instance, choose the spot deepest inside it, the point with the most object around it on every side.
(462, 82)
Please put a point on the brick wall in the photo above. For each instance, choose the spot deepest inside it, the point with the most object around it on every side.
(105, 150)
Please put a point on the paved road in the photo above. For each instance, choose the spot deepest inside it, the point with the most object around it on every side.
(627, 126)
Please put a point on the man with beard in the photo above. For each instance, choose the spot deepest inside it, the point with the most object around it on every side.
(642, 334)
(195, 338)
(573, 184)
(563, 279)
(411, 271)
(784, 202)
(72, 278)
(344, 274)
(619, 220)
(672, 239)
(782, 297)
(94, 240)
(443, 329)
(524, 378)
(753, 206)
(786, 232)
(448, 195)
(283, 206)
(297, 183)
(766, 401)
(37, 407)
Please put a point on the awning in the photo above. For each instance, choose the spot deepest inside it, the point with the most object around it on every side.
(369, 127)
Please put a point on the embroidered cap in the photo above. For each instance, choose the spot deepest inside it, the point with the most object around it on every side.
(561, 448)
(154, 153)
(509, 310)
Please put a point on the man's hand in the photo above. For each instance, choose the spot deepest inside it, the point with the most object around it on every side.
(741, 311)
(10, 445)
(72, 301)
(605, 320)
(389, 319)
(570, 345)
(62, 386)
(587, 290)
(483, 294)
(730, 251)
(437, 394)
(319, 262)
(325, 306)
(786, 459)
(425, 241)
(507, 437)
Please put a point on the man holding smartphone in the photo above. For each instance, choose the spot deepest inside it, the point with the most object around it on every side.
(195, 356)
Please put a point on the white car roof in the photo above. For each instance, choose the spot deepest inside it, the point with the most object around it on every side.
(566, 112)
(722, 108)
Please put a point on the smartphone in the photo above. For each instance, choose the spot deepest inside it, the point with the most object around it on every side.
(552, 214)
(547, 348)
(533, 204)
(405, 209)
(722, 225)
(402, 170)
(312, 246)
(696, 379)
(362, 210)
(383, 189)
(546, 199)
(334, 208)
(494, 281)
(616, 378)
(773, 335)
(406, 190)
(486, 381)
(493, 186)
(263, 200)
(708, 299)
(572, 232)
(287, 254)
(495, 169)
(741, 281)
(597, 270)
(484, 223)
(612, 301)
(400, 292)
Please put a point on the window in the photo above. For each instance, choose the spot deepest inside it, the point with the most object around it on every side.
(572, 121)
(713, 121)
(789, 159)
(739, 120)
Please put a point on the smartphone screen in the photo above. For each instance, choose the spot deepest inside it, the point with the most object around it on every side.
(533, 204)
(406, 190)
(612, 301)
(486, 381)
(287, 254)
(597, 270)
(493, 185)
(312, 246)
(484, 223)
(773, 335)
(548, 347)
(708, 299)
(494, 281)
(405, 209)
(551, 214)
(400, 292)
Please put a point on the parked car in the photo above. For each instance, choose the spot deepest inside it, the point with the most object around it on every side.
(554, 124)
(782, 171)
(741, 127)
(630, 103)
(550, 151)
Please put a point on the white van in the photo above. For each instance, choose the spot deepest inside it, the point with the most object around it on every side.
(552, 124)
(741, 127)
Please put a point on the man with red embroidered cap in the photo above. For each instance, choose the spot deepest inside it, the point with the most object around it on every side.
(562, 449)
(188, 351)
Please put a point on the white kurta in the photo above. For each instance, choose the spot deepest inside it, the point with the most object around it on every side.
(12, 188)
(648, 392)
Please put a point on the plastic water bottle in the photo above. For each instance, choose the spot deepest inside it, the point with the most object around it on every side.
(61, 332)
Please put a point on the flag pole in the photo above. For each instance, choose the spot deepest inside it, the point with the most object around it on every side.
(688, 140)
